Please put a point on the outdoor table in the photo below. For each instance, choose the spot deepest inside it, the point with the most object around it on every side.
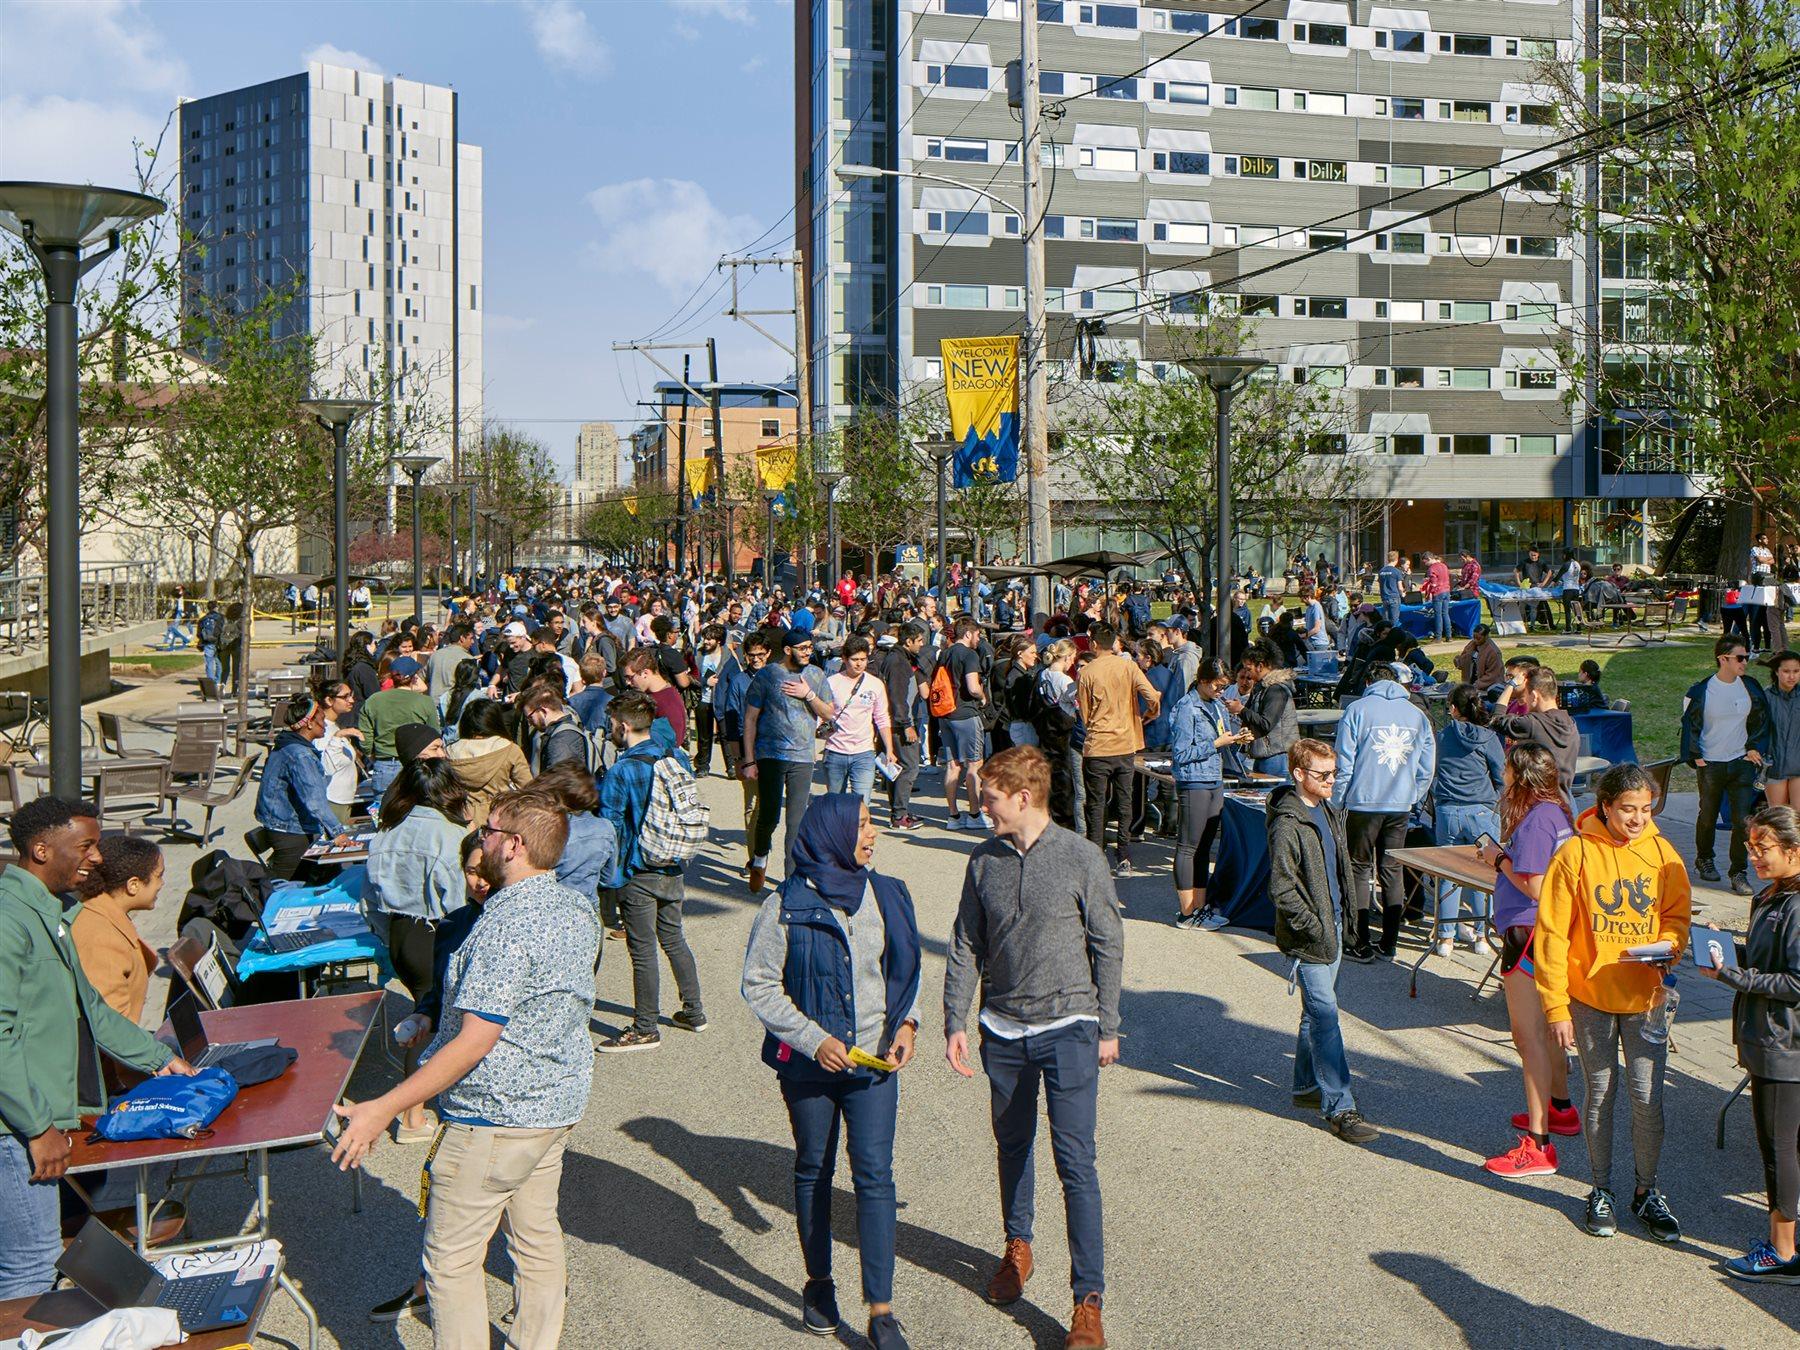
(1324, 718)
(71, 1307)
(1419, 619)
(1606, 734)
(1239, 888)
(1457, 864)
(329, 1034)
(342, 894)
(92, 766)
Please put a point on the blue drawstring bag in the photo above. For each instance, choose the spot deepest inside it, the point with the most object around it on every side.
(175, 1107)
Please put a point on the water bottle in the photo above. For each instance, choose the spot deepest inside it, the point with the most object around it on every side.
(1662, 1011)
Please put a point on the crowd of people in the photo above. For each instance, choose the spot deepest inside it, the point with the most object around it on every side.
(528, 767)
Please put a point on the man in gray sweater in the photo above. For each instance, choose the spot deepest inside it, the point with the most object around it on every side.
(1038, 930)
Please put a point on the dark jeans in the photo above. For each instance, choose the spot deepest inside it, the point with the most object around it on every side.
(1756, 624)
(901, 789)
(704, 724)
(1373, 837)
(1067, 1060)
(287, 854)
(651, 904)
(1106, 776)
(780, 784)
(1319, 1059)
(1733, 781)
(866, 1108)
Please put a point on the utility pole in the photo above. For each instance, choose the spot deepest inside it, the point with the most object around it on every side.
(803, 420)
(1033, 350)
(681, 487)
(718, 434)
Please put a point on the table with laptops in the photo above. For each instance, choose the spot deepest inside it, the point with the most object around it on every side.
(295, 1108)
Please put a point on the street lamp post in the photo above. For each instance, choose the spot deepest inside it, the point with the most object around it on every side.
(941, 451)
(417, 466)
(829, 479)
(57, 222)
(770, 497)
(1227, 375)
(336, 415)
(729, 557)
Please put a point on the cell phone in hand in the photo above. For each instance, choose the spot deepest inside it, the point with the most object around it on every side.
(1488, 845)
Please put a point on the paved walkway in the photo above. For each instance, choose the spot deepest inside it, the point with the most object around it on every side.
(1232, 1219)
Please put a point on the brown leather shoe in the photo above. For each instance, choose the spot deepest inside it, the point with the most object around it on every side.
(757, 876)
(1008, 1284)
(1084, 1326)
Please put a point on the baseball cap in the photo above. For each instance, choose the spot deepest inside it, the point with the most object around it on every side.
(404, 668)
(513, 630)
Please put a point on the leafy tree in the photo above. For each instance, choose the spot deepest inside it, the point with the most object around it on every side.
(519, 483)
(886, 498)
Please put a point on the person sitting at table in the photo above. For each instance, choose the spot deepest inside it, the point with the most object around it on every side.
(1512, 698)
(1480, 661)
(47, 998)
(292, 803)
(117, 961)
(1547, 723)
(1202, 733)
(1465, 788)
(1535, 822)
(414, 881)
(1781, 775)
(1585, 694)
(486, 759)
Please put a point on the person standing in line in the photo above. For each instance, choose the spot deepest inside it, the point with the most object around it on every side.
(1536, 823)
(1038, 931)
(1267, 711)
(1114, 697)
(1725, 735)
(1386, 758)
(385, 712)
(1471, 766)
(833, 964)
(898, 667)
(1782, 773)
(291, 800)
(1616, 886)
(649, 897)
(511, 1067)
(557, 736)
(1436, 589)
(861, 700)
(1202, 732)
(782, 710)
(1533, 574)
(457, 647)
(1765, 1024)
(47, 999)
(1392, 583)
(735, 674)
(961, 724)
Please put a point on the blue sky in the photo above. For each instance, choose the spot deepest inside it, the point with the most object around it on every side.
(627, 144)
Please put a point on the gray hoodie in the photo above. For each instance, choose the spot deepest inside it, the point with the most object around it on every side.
(1040, 932)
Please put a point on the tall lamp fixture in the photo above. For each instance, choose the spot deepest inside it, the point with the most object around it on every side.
(58, 222)
(336, 415)
(417, 466)
(941, 451)
(1227, 375)
(828, 479)
(770, 497)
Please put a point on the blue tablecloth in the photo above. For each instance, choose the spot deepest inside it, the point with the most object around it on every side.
(342, 894)
(1607, 734)
(1240, 882)
(1418, 620)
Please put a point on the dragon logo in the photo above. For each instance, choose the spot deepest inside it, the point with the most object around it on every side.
(1632, 891)
(1394, 747)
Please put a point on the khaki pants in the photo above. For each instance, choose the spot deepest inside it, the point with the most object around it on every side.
(479, 1174)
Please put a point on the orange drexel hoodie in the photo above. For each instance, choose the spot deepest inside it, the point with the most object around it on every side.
(1601, 897)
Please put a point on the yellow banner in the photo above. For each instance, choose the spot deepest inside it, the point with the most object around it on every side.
(699, 477)
(981, 383)
(775, 467)
(631, 505)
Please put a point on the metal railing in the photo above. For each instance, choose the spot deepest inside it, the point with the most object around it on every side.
(113, 595)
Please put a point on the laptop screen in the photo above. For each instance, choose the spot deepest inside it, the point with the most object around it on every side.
(108, 1269)
(184, 1016)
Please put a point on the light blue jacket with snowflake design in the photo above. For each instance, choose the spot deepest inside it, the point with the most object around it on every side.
(1386, 753)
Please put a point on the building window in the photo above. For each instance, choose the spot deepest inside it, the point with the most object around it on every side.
(1407, 243)
(1466, 377)
(1531, 379)
(1253, 97)
(1113, 230)
(771, 427)
(1322, 34)
(1181, 91)
(1256, 166)
(958, 77)
(1406, 445)
(1259, 30)
(1408, 109)
(1180, 232)
(1406, 40)
(1121, 88)
(1327, 171)
(1467, 110)
(1469, 44)
(1469, 445)
(1113, 159)
(1053, 227)
(1325, 239)
(1109, 16)
(962, 151)
(975, 9)
(1259, 305)
(1180, 161)
(1323, 307)
(1536, 445)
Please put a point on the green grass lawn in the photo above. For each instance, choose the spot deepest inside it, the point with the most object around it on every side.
(161, 661)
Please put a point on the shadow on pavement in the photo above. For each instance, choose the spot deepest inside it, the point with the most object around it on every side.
(1487, 1316)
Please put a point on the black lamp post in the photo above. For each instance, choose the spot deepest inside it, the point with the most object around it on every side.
(1226, 375)
(336, 414)
(941, 451)
(58, 222)
(829, 479)
(770, 497)
(417, 466)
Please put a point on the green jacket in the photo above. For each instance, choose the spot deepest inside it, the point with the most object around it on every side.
(43, 997)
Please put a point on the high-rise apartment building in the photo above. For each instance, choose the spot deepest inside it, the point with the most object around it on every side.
(359, 189)
(1188, 143)
(597, 458)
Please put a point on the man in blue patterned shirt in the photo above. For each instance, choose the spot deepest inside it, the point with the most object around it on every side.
(511, 1067)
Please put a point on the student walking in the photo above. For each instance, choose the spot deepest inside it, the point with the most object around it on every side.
(1114, 697)
(1765, 1024)
(1309, 883)
(1616, 886)
(862, 719)
(832, 965)
(1038, 930)
(1782, 772)
(1725, 735)
(787, 700)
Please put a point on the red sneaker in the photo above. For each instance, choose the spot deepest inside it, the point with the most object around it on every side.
(1527, 1160)
(1566, 1123)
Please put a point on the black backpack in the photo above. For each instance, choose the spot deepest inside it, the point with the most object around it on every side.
(228, 892)
(210, 629)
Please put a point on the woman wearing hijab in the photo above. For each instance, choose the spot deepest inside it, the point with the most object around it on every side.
(819, 1010)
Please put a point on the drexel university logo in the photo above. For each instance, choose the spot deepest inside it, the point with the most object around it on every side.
(1626, 891)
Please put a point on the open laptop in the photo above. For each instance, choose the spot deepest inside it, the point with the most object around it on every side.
(298, 940)
(190, 1035)
(115, 1276)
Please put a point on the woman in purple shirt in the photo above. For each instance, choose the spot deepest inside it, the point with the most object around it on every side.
(1535, 819)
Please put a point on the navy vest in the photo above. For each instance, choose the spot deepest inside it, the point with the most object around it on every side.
(817, 976)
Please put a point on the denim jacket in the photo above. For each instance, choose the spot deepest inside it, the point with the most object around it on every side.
(416, 867)
(292, 797)
(1194, 724)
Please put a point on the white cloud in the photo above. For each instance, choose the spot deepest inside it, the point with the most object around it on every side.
(338, 56)
(65, 140)
(565, 39)
(753, 65)
(48, 39)
(732, 11)
(667, 228)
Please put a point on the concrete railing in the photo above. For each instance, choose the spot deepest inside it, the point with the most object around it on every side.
(113, 595)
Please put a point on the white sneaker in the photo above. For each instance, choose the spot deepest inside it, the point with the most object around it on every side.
(1464, 934)
(1442, 947)
(983, 821)
(955, 823)
(1480, 946)
(1213, 920)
